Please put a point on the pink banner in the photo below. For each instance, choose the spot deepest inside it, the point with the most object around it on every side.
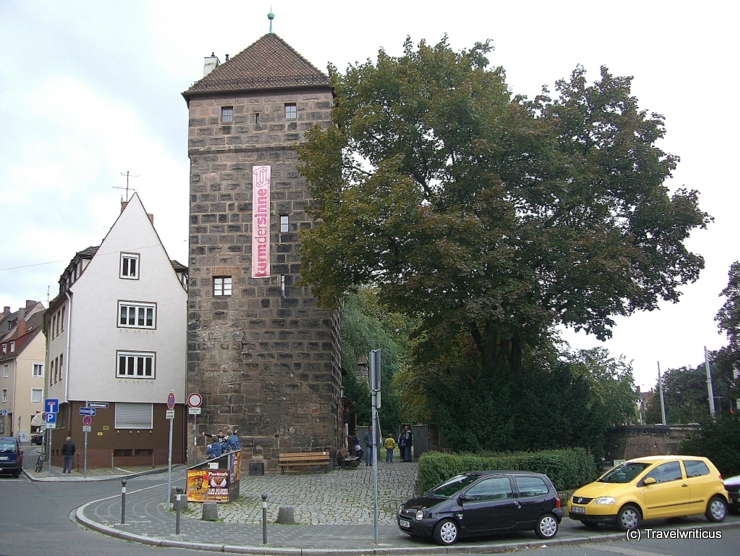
(260, 221)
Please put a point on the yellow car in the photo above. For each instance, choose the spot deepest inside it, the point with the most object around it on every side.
(652, 487)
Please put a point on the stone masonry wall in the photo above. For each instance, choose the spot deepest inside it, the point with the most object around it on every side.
(265, 358)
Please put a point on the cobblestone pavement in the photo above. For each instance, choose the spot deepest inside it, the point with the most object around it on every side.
(340, 497)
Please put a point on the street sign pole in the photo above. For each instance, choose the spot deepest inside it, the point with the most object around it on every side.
(195, 439)
(171, 417)
(375, 395)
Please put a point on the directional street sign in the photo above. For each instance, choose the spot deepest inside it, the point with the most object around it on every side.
(4, 412)
(51, 405)
(87, 411)
(99, 405)
(51, 417)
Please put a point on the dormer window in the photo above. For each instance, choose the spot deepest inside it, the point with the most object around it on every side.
(129, 266)
(12, 347)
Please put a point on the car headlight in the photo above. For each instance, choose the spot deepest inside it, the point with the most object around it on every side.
(419, 515)
(604, 500)
(400, 508)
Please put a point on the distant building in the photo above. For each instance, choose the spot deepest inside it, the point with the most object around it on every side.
(116, 335)
(262, 355)
(22, 350)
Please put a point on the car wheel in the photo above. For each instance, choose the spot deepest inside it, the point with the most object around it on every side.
(445, 532)
(547, 526)
(716, 509)
(628, 518)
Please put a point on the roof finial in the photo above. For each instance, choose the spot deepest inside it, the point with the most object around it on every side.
(271, 16)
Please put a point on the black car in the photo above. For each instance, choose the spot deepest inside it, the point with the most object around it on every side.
(732, 485)
(37, 439)
(483, 503)
(11, 456)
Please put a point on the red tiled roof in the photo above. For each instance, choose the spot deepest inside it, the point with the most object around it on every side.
(269, 63)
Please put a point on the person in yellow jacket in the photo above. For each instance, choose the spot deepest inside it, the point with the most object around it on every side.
(390, 445)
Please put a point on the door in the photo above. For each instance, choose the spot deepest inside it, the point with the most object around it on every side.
(489, 505)
(669, 496)
(534, 498)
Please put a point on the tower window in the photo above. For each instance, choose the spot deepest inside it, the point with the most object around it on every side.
(283, 223)
(290, 111)
(227, 114)
(257, 119)
(282, 285)
(222, 286)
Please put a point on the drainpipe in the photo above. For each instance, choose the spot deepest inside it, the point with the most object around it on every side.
(66, 380)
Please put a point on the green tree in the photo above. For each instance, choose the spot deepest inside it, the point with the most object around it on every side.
(482, 213)
(612, 382)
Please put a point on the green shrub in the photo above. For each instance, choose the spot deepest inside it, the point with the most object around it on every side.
(719, 441)
(568, 469)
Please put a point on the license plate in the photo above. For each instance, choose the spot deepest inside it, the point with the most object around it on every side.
(404, 523)
(578, 509)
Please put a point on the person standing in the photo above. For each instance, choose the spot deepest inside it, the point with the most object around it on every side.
(68, 451)
(367, 438)
(405, 441)
(390, 444)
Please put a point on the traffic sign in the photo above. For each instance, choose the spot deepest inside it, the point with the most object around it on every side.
(170, 413)
(170, 400)
(86, 428)
(194, 400)
(86, 420)
(99, 405)
(50, 417)
(194, 411)
(87, 411)
(51, 405)
(4, 412)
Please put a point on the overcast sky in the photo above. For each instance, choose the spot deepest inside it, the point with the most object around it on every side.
(92, 89)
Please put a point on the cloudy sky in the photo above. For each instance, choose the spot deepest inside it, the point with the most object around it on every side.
(92, 89)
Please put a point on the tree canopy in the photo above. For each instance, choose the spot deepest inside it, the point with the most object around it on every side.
(488, 214)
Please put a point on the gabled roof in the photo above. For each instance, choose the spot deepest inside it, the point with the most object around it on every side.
(269, 63)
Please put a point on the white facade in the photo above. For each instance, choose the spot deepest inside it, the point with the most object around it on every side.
(88, 336)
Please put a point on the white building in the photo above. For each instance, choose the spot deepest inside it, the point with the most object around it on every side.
(116, 335)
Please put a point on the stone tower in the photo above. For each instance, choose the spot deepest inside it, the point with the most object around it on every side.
(262, 355)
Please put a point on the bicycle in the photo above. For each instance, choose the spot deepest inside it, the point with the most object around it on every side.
(40, 463)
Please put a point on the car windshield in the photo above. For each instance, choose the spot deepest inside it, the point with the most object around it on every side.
(7, 446)
(624, 473)
(450, 488)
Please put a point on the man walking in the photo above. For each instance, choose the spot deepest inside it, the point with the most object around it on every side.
(68, 451)
(368, 440)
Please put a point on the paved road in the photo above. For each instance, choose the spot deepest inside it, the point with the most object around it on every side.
(334, 512)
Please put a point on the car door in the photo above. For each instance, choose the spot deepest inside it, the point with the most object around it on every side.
(669, 496)
(702, 484)
(534, 499)
(489, 505)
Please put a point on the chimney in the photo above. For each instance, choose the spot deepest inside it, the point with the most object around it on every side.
(21, 322)
(6, 311)
(151, 218)
(210, 64)
(124, 204)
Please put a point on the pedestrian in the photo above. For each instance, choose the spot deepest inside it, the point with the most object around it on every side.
(390, 445)
(355, 441)
(367, 438)
(68, 451)
(232, 441)
(405, 441)
(214, 449)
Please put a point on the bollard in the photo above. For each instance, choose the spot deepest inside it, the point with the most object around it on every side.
(178, 498)
(123, 501)
(264, 518)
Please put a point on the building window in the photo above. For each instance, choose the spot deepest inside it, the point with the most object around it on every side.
(222, 286)
(51, 374)
(257, 119)
(283, 223)
(282, 285)
(5, 371)
(135, 365)
(129, 266)
(227, 114)
(134, 415)
(290, 112)
(12, 347)
(61, 365)
(5, 348)
(137, 315)
(38, 370)
(5, 395)
(37, 395)
(62, 318)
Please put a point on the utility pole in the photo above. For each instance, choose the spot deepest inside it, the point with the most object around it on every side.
(662, 402)
(128, 175)
(710, 390)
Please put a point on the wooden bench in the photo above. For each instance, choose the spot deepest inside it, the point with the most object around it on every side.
(304, 459)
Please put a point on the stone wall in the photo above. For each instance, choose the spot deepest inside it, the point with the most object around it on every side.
(265, 358)
(646, 440)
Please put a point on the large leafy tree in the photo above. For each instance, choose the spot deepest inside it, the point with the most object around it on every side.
(488, 214)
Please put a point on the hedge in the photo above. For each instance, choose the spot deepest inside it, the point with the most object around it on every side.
(567, 469)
